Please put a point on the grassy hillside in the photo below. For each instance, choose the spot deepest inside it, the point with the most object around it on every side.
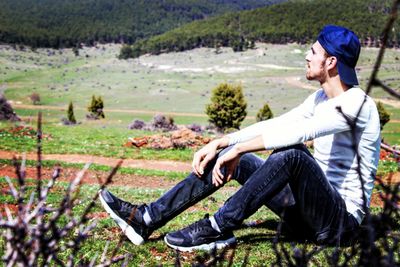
(64, 23)
(177, 84)
(293, 21)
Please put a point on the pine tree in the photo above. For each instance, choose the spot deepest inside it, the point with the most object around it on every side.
(227, 109)
(70, 113)
(100, 106)
(96, 108)
(384, 116)
(126, 52)
(264, 113)
(92, 106)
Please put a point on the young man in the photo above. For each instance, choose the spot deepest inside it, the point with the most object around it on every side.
(323, 197)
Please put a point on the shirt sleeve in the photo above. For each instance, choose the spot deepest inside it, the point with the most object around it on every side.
(305, 110)
(331, 117)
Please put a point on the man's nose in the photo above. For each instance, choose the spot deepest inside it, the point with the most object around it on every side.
(308, 56)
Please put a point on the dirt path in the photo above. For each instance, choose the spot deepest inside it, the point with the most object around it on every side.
(137, 181)
(165, 165)
(295, 81)
(135, 111)
(95, 177)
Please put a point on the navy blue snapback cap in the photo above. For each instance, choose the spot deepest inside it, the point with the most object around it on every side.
(345, 46)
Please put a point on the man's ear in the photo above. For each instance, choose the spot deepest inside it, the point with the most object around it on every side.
(331, 62)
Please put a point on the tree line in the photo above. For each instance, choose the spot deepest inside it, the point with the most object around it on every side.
(293, 21)
(68, 23)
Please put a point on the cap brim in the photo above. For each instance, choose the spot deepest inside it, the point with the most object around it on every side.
(347, 74)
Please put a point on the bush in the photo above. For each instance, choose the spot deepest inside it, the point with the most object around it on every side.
(137, 125)
(384, 116)
(264, 113)
(126, 52)
(6, 110)
(70, 113)
(195, 128)
(228, 107)
(35, 98)
(161, 122)
(96, 108)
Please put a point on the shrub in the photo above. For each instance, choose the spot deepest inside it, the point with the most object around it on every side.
(96, 108)
(137, 125)
(6, 111)
(161, 122)
(126, 52)
(384, 116)
(35, 98)
(228, 107)
(264, 113)
(70, 113)
(195, 128)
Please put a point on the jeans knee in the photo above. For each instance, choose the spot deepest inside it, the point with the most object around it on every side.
(293, 150)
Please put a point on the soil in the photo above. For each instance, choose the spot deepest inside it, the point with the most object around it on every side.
(94, 177)
(130, 180)
(165, 165)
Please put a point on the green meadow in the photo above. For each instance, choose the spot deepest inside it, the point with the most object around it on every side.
(255, 237)
(175, 84)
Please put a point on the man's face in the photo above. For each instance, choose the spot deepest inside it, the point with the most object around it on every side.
(316, 60)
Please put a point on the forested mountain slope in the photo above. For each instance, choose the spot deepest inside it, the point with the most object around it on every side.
(292, 21)
(65, 23)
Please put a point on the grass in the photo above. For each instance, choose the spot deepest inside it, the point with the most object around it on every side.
(153, 252)
(254, 240)
(171, 175)
(93, 138)
(140, 88)
(173, 82)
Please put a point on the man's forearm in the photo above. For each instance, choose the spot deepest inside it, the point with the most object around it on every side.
(255, 144)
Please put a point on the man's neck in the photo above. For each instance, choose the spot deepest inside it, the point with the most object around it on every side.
(334, 87)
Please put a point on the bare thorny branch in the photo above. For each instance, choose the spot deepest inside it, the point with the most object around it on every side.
(33, 235)
(37, 234)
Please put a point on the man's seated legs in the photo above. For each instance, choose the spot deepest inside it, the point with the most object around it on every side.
(317, 202)
(138, 222)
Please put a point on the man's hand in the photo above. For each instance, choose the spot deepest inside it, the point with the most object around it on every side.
(206, 154)
(230, 161)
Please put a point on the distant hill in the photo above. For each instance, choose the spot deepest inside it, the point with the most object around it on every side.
(64, 23)
(293, 21)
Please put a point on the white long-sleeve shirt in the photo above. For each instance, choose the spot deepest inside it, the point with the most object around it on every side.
(335, 149)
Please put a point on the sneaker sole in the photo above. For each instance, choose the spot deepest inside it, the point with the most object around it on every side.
(206, 247)
(128, 230)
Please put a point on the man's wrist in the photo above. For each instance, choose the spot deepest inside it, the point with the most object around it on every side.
(222, 142)
(239, 149)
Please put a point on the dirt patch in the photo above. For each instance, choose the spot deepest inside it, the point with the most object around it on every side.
(391, 178)
(138, 181)
(95, 177)
(12, 208)
(165, 165)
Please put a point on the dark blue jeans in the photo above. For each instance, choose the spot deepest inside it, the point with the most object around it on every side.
(289, 182)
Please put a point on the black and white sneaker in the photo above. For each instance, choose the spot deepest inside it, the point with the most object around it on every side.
(128, 216)
(199, 236)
